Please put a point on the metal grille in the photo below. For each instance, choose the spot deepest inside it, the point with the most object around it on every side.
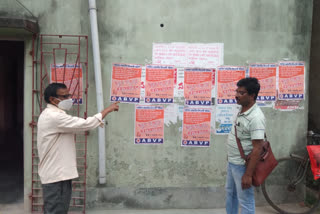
(60, 58)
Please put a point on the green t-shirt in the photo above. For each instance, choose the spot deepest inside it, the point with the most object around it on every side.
(250, 126)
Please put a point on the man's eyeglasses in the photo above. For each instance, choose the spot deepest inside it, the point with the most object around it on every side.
(64, 96)
(241, 92)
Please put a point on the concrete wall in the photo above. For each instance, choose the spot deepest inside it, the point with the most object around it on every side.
(252, 31)
(170, 176)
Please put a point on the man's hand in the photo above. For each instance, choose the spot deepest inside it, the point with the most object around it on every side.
(110, 108)
(114, 106)
(246, 181)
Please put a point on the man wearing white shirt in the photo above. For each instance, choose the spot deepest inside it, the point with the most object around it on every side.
(56, 146)
(250, 126)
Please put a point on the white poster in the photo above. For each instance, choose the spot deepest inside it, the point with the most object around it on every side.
(188, 54)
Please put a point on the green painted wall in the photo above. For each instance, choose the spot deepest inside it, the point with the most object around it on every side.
(252, 31)
(167, 175)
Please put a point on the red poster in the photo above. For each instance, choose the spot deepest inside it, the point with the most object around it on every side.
(196, 127)
(71, 76)
(197, 86)
(266, 74)
(228, 76)
(159, 86)
(291, 80)
(126, 83)
(149, 125)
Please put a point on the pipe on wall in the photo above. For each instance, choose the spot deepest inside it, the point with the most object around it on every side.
(98, 80)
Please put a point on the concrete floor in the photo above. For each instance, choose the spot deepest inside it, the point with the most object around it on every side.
(259, 210)
(17, 208)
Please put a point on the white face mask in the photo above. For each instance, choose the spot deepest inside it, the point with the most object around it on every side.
(65, 104)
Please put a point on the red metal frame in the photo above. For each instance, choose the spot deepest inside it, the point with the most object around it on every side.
(49, 45)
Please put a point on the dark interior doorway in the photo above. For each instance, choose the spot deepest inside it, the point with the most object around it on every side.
(11, 121)
(314, 74)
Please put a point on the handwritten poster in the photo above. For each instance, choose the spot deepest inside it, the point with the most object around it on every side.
(71, 76)
(205, 55)
(196, 127)
(188, 54)
(197, 86)
(266, 74)
(149, 125)
(288, 105)
(228, 76)
(126, 83)
(159, 86)
(291, 80)
(224, 118)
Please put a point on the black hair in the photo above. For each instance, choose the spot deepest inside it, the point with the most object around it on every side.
(51, 90)
(251, 84)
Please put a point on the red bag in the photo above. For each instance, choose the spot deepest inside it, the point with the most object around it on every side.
(314, 155)
(266, 163)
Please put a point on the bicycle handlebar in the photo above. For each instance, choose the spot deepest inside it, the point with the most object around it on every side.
(315, 138)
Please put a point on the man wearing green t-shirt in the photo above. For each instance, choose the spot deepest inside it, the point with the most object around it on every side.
(250, 124)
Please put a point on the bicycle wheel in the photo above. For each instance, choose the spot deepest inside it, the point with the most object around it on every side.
(284, 195)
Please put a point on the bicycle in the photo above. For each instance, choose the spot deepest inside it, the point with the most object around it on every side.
(290, 188)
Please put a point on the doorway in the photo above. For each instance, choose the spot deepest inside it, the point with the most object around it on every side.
(314, 77)
(11, 121)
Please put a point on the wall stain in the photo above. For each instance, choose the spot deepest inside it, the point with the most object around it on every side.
(262, 16)
(301, 28)
(168, 198)
(126, 201)
(111, 34)
(150, 191)
(54, 5)
(4, 14)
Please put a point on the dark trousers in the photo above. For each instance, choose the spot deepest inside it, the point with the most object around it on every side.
(56, 197)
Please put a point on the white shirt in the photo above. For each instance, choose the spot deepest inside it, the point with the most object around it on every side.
(56, 144)
(250, 126)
